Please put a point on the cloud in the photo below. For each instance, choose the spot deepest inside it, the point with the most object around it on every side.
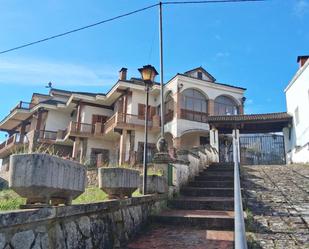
(249, 101)
(29, 71)
(222, 54)
(301, 8)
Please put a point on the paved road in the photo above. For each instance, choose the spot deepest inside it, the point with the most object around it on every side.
(277, 198)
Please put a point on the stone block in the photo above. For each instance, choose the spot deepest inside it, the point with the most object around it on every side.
(118, 182)
(42, 178)
(155, 184)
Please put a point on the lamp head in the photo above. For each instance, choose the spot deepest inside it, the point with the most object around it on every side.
(148, 74)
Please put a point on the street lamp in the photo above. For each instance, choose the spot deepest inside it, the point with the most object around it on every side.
(148, 74)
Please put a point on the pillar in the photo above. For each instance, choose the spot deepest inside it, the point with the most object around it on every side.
(214, 138)
(177, 105)
(236, 147)
(122, 149)
(211, 107)
(75, 148)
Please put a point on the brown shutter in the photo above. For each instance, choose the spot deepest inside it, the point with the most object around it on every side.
(141, 111)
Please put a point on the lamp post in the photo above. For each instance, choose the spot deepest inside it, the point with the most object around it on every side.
(148, 74)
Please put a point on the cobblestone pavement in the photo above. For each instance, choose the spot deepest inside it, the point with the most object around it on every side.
(277, 202)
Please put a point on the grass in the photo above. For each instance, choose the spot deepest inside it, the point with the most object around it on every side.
(9, 200)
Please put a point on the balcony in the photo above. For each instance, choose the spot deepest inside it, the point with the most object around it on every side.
(117, 121)
(11, 144)
(47, 136)
(23, 106)
(131, 122)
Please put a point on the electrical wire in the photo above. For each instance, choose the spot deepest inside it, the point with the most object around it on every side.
(78, 29)
(210, 1)
(124, 15)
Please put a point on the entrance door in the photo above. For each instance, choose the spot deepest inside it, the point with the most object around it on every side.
(262, 149)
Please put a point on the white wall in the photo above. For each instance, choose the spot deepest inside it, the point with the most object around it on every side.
(139, 97)
(139, 137)
(297, 96)
(57, 120)
(88, 111)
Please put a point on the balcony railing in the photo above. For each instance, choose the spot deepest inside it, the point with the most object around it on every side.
(77, 127)
(23, 105)
(124, 118)
(48, 135)
(12, 140)
(194, 115)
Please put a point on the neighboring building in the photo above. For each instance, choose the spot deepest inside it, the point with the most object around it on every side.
(97, 128)
(297, 98)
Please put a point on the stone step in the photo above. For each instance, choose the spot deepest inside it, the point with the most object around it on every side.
(216, 168)
(221, 165)
(203, 192)
(202, 203)
(204, 219)
(181, 237)
(217, 173)
(212, 184)
(214, 178)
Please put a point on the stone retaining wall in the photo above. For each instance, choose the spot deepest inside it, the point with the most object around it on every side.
(108, 224)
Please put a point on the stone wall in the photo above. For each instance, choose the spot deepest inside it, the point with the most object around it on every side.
(107, 224)
(92, 177)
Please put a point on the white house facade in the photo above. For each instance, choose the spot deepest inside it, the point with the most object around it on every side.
(297, 100)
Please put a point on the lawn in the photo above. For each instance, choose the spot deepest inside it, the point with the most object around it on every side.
(9, 200)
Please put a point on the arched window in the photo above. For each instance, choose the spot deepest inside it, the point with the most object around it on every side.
(193, 105)
(225, 106)
(169, 108)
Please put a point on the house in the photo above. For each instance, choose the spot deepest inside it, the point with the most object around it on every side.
(108, 128)
(297, 100)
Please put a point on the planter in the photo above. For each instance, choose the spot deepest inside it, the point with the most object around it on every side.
(155, 184)
(118, 182)
(46, 179)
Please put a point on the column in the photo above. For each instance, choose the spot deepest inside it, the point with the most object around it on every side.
(75, 148)
(236, 147)
(211, 107)
(177, 105)
(214, 138)
(122, 149)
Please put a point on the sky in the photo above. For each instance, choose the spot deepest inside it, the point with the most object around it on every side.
(252, 45)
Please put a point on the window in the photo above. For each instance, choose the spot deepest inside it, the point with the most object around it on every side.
(225, 106)
(296, 114)
(193, 105)
(200, 75)
(204, 140)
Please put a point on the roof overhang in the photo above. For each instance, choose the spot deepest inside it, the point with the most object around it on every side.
(253, 123)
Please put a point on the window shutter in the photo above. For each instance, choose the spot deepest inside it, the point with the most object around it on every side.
(141, 111)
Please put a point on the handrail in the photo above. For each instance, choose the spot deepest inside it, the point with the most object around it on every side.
(239, 224)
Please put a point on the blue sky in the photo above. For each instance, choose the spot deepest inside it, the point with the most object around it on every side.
(253, 45)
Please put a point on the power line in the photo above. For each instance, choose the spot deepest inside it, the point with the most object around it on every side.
(125, 15)
(79, 29)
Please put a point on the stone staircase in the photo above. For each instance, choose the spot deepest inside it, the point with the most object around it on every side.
(201, 217)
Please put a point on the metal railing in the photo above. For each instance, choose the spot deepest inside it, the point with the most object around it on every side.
(193, 115)
(23, 105)
(239, 229)
(48, 135)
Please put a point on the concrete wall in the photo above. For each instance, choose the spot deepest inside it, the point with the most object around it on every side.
(99, 225)
(297, 97)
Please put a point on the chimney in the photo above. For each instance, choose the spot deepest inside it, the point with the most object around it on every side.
(123, 73)
(301, 60)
